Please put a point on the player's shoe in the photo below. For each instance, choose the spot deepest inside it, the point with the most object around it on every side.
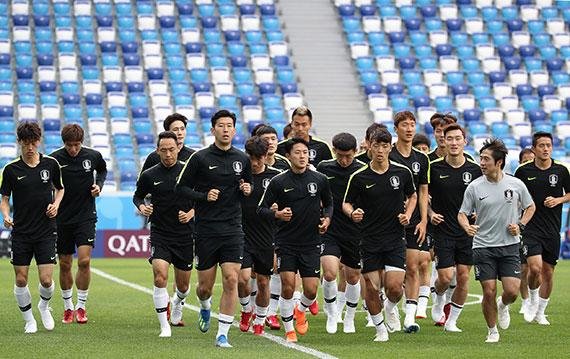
(382, 335)
(504, 317)
(258, 329)
(314, 308)
(446, 311)
(47, 318)
(524, 306)
(339, 316)
(437, 314)
(67, 316)
(222, 342)
(393, 321)
(31, 327)
(176, 315)
(412, 328)
(348, 324)
(81, 316)
(492, 337)
(165, 332)
(245, 321)
(332, 323)
(452, 327)
(301, 323)
(541, 319)
(204, 320)
(530, 312)
(421, 313)
(369, 323)
(272, 322)
(291, 337)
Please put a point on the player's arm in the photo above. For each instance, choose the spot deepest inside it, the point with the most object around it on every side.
(423, 202)
(466, 209)
(5, 209)
(551, 202)
(529, 208)
(141, 191)
(187, 181)
(101, 169)
(327, 204)
(433, 217)
(350, 196)
(6, 190)
(246, 179)
(57, 182)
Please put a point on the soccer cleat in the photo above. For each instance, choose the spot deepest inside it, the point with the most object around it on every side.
(204, 320)
(381, 334)
(524, 306)
(301, 323)
(411, 329)
(272, 322)
(504, 317)
(67, 316)
(31, 327)
(339, 316)
(369, 323)
(165, 332)
(393, 321)
(81, 316)
(176, 315)
(222, 342)
(446, 310)
(314, 308)
(452, 327)
(348, 324)
(421, 313)
(541, 319)
(332, 323)
(530, 312)
(47, 319)
(492, 337)
(258, 329)
(245, 321)
(437, 314)
(291, 337)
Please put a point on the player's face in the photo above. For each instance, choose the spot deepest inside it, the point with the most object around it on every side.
(380, 151)
(29, 148)
(406, 130)
(180, 130)
(344, 158)
(271, 140)
(488, 164)
(257, 163)
(422, 147)
(543, 148)
(528, 156)
(455, 142)
(299, 156)
(224, 131)
(364, 145)
(439, 136)
(167, 151)
(72, 148)
(301, 124)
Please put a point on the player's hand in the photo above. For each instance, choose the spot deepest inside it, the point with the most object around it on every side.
(421, 232)
(514, 229)
(245, 187)
(146, 210)
(325, 223)
(357, 215)
(95, 190)
(8, 222)
(274, 207)
(472, 230)
(285, 214)
(551, 202)
(404, 219)
(474, 217)
(51, 211)
(213, 195)
(185, 217)
(436, 218)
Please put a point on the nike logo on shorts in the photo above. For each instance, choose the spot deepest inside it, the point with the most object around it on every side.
(288, 190)
(212, 167)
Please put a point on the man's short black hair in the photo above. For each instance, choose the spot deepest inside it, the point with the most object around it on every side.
(256, 147)
(372, 128)
(381, 136)
(166, 134)
(498, 150)
(287, 130)
(539, 135)
(29, 132)
(344, 142)
(264, 130)
(172, 118)
(221, 114)
(421, 139)
(523, 152)
(292, 142)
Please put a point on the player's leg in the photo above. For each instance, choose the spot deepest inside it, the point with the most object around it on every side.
(352, 276)
(424, 290)
(412, 286)
(525, 300)
(445, 264)
(244, 291)
(82, 281)
(206, 265)
(160, 294)
(309, 266)
(549, 259)
(535, 265)
(459, 297)
(66, 285)
(44, 252)
(182, 260)
(23, 295)
(341, 292)
(393, 287)
(261, 301)
(486, 272)
(286, 303)
(373, 279)
(275, 292)
(330, 265)
(230, 274)
(509, 272)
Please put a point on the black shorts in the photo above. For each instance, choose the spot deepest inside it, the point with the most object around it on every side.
(493, 263)
(412, 240)
(523, 252)
(217, 250)
(259, 259)
(452, 251)
(374, 259)
(430, 239)
(549, 248)
(305, 260)
(42, 250)
(69, 237)
(346, 250)
(180, 256)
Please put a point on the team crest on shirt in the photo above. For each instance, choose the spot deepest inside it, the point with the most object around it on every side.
(44, 175)
(312, 188)
(553, 180)
(508, 195)
(395, 182)
(238, 167)
(467, 177)
(86, 165)
(312, 154)
(416, 167)
(265, 182)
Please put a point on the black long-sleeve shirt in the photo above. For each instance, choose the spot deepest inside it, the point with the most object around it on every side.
(214, 168)
(303, 193)
(159, 181)
(78, 205)
(153, 158)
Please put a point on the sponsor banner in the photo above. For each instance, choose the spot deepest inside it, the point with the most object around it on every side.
(125, 244)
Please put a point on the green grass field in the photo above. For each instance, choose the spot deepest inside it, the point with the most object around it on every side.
(122, 323)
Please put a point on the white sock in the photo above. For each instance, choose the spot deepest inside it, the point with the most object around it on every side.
(542, 303)
(493, 330)
(423, 296)
(161, 299)
(24, 299)
(180, 296)
(67, 295)
(440, 299)
(454, 313)
(253, 293)
(378, 321)
(329, 293)
(305, 302)
(433, 277)
(340, 301)
(245, 304)
(449, 293)
(286, 307)
(533, 295)
(500, 303)
(260, 314)
(411, 308)
(206, 303)
(45, 295)
(297, 297)
(352, 295)
(274, 289)
(224, 323)
(82, 298)
(389, 305)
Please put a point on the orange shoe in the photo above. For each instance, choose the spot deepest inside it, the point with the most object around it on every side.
(258, 329)
(245, 321)
(301, 323)
(272, 322)
(314, 308)
(291, 337)
(67, 316)
(81, 316)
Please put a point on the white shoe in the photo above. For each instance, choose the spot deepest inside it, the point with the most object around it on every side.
(541, 319)
(165, 332)
(47, 319)
(348, 325)
(339, 316)
(392, 321)
(381, 335)
(524, 306)
(437, 314)
(332, 324)
(176, 315)
(421, 313)
(452, 327)
(492, 338)
(31, 327)
(530, 312)
(504, 318)
(369, 323)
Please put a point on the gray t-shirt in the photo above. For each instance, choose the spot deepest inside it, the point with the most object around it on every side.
(497, 205)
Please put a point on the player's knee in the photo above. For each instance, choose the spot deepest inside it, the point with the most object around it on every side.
(65, 265)
(230, 282)
(203, 292)
(329, 276)
(21, 281)
(462, 279)
(160, 280)
(489, 292)
(83, 264)
(46, 281)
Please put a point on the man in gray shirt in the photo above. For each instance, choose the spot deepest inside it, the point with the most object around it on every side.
(498, 200)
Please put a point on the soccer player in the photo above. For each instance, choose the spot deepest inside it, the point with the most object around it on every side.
(300, 194)
(548, 182)
(417, 249)
(421, 143)
(275, 160)
(170, 231)
(34, 181)
(216, 178)
(301, 122)
(438, 121)
(175, 123)
(375, 197)
(449, 177)
(498, 200)
(83, 170)
(365, 155)
(259, 231)
(340, 243)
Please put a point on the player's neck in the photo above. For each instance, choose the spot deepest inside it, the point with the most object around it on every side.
(298, 170)
(223, 147)
(32, 160)
(543, 164)
(180, 145)
(259, 170)
(440, 151)
(405, 148)
(379, 167)
(455, 161)
(270, 159)
(495, 176)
